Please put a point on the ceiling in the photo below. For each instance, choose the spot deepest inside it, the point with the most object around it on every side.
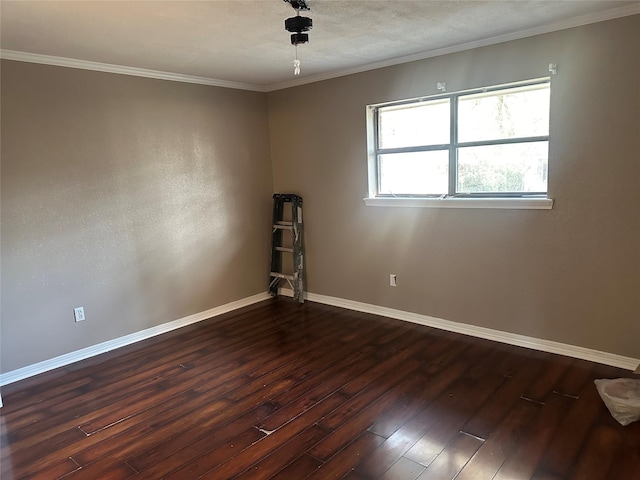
(244, 43)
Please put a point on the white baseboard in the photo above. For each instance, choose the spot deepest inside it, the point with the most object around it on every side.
(67, 358)
(549, 346)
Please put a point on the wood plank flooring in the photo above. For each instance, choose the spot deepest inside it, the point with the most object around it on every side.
(288, 391)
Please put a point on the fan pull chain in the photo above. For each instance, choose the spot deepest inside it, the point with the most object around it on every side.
(296, 63)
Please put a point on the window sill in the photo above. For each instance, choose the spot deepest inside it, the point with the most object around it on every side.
(504, 203)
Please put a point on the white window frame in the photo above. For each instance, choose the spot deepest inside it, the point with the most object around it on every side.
(537, 201)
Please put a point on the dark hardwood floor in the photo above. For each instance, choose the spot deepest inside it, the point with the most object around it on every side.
(288, 391)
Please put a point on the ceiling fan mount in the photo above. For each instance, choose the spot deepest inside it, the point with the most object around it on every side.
(298, 4)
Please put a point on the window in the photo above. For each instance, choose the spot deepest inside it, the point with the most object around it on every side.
(485, 143)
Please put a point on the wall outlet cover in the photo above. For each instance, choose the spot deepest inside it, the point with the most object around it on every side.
(78, 313)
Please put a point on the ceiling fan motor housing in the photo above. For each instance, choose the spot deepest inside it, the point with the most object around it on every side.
(298, 25)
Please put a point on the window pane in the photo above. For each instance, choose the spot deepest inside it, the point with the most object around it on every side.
(510, 113)
(419, 173)
(517, 167)
(425, 123)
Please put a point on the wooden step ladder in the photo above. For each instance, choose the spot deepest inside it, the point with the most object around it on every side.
(294, 226)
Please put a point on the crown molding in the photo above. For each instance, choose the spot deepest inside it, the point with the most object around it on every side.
(123, 70)
(530, 32)
(582, 20)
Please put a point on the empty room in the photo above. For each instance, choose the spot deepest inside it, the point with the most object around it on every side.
(320, 239)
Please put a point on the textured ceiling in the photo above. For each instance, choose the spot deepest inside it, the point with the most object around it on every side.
(245, 41)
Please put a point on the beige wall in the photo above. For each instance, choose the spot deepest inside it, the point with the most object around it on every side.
(146, 201)
(571, 274)
(142, 200)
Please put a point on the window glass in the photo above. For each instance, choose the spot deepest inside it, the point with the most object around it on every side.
(411, 125)
(510, 113)
(516, 167)
(423, 173)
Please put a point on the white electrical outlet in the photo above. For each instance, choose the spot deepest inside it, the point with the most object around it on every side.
(78, 313)
(393, 280)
